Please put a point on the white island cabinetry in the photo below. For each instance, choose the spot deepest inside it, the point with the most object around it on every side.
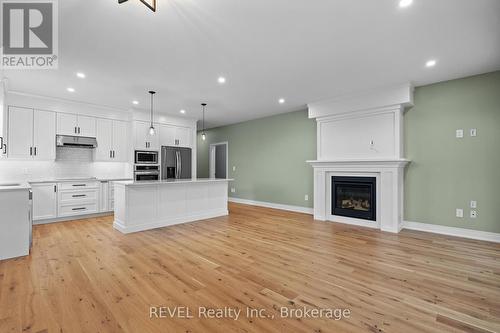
(149, 205)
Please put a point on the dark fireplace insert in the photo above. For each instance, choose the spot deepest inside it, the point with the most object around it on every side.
(354, 197)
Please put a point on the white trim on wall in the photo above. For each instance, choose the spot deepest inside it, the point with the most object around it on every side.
(452, 231)
(212, 158)
(297, 209)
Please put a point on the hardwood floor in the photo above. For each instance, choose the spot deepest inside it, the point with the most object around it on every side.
(84, 276)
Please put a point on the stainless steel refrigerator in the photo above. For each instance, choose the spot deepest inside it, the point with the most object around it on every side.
(175, 163)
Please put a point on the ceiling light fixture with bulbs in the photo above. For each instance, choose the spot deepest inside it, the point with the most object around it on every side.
(152, 127)
(221, 80)
(281, 101)
(203, 135)
(151, 4)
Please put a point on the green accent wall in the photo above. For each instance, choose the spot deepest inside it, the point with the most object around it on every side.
(270, 157)
(447, 173)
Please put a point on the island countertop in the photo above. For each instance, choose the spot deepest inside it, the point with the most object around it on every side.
(172, 181)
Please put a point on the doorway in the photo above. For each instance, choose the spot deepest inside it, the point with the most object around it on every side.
(218, 160)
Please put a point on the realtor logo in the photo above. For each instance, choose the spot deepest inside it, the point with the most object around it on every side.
(29, 34)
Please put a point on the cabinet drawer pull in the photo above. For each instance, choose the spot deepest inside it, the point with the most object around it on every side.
(79, 185)
(82, 208)
(79, 195)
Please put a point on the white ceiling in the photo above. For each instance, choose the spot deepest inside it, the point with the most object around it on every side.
(301, 50)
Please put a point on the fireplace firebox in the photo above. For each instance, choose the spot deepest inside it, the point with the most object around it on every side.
(354, 197)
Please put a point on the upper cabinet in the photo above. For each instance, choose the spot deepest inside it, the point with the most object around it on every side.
(112, 138)
(175, 136)
(76, 125)
(143, 140)
(31, 134)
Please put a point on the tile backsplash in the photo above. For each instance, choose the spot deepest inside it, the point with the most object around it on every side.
(70, 162)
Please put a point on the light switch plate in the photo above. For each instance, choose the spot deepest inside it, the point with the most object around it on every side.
(459, 212)
(473, 214)
(234, 167)
(459, 133)
(473, 204)
(306, 197)
(233, 190)
(473, 132)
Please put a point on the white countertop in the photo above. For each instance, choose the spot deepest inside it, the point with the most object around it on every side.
(66, 180)
(17, 186)
(172, 181)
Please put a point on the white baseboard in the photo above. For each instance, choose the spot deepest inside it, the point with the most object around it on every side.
(297, 209)
(452, 231)
(72, 218)
(121, 226)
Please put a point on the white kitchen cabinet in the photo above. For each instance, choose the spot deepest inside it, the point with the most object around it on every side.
(104, 200)
(67, 124)
(20, 133)
(112, 138)
(143, 140)
(31, 134)
(175, 136)
(44, 201)
(120, 141)
(76, 125)
(86, 126)
(78, 198)
(44, 135)
(183, 136)
(167, 135)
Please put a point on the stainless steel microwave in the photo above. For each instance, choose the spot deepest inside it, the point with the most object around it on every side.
(146, 157)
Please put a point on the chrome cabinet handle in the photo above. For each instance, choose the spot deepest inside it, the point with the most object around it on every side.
(81, 208)
(79, 185)
(35, 150)
(79, 195)
(31, 151)
(4, 148)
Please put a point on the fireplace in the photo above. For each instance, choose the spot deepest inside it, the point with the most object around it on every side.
(354, 197)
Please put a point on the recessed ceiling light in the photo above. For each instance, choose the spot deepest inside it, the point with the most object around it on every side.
(281, 101)
(71, 89)
(430, 63)
(221, 80)
(81, 75)
(135, 102)
(405, 3)
(182, 111)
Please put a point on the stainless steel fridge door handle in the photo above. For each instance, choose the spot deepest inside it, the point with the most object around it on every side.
(177, 165)
(180, 164)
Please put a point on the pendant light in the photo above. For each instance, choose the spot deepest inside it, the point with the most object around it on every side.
(151, 4)
(203, 135)
(152, 128)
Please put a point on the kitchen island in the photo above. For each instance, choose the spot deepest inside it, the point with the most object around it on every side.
(154, 204)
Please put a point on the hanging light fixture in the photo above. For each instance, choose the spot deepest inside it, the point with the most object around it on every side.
(152, 128)
(151, 4)
(203, 135)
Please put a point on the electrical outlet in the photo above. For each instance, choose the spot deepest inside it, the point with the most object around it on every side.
(233, 190)
(473, 204)
(26, 171)
(234, 167)
(459, 212)
(459, 133)
(473, 132)
(306, 197)
(473, 214)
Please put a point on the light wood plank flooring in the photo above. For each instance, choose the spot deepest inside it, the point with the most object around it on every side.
(84, 276)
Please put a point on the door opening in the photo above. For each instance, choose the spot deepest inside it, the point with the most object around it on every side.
(218, 160)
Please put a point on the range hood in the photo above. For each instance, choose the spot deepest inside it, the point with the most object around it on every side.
(75, 141)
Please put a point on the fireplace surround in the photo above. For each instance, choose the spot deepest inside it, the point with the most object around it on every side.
(361, 136)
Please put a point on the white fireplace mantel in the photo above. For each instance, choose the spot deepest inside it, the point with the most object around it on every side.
(390, 190)
(362, 135)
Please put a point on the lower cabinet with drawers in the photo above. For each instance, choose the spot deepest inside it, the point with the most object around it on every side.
(78, 198)
(60, 200)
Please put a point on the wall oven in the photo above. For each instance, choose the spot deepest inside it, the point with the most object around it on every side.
(146, 173)
(146, 157)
